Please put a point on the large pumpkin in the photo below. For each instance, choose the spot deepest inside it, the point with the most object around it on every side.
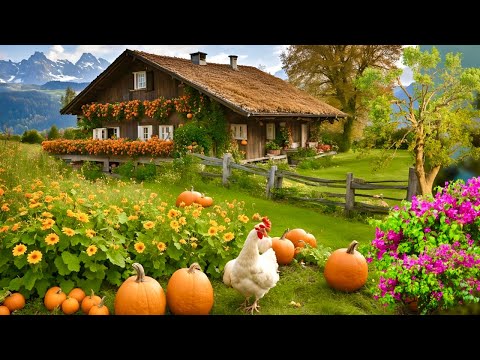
(189, 292)
(188, 197)
(140, 295)
(54, 297)
(15, 301)
(284, 249)
(346, 269)
(295, 236)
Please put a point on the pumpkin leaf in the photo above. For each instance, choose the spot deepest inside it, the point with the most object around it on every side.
(173, 252)
(42, 286)
(122, 218)
(61, 266)
(115, 258)
(67, 285)
(29, 279)
(114, 277)
(4, 257)
(93, 284)
(20, 261)
(71, 261)
(15, 284)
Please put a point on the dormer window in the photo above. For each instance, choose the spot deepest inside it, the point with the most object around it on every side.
(139, 80)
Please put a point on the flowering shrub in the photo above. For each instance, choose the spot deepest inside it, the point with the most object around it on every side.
(70, 233)
(429, 250)
(151, 147)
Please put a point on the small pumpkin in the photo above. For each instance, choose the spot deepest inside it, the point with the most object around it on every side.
(346, 269)
(70, 306)
(189, 115)
(54, 297)
(284, 249)
(140, 295)
(244, 142)
(296, 235)
(310, 239)
(15, 301)
(99, 309)
(90, 301)
(4, 310)
(78, 294)
(205, 201)
(189, 292)
(188, 197)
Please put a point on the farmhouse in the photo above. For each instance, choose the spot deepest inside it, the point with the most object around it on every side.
(256, 105)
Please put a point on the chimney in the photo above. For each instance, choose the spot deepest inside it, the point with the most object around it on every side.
(199, 58)
(233, 61)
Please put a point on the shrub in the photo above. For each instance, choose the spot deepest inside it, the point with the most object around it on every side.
(53, 133)
(429, 250)
(32, 137)
(92, 170)
(192, 134)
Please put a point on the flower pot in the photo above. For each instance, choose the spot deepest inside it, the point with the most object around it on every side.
(312, 144)
(274, 152)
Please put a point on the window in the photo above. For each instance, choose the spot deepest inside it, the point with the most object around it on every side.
(165, 132)
(100, 133)
(270, 131)
(239, 131)
(145, 132)
(139, 80)
(113, 132)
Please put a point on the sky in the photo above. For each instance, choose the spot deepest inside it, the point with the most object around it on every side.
(266, 56)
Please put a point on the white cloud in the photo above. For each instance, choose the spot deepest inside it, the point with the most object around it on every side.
(56, 52)
(407, 75)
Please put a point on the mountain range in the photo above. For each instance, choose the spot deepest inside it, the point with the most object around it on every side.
(38, 69)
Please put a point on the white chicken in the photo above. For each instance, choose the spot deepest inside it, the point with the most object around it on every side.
(250, 273)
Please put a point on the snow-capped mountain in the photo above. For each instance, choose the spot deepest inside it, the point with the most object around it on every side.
(38, 69)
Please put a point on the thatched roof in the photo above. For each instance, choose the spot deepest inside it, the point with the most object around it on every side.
(247, 90)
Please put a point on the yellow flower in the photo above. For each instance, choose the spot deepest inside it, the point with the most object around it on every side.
(47, 214)
(193, 239)
(196, 213)
(117, 226)
(15, 227)
(228, 236)
(221, 228)
(161, 208)
(67, 231)
(52, 239)
(243, 218)
(2, 192)
(154, 242)
(47, 224)
(133, 217)
(231, 206)
(34, 257)
(174, 224)
(17, 188)
(76, 185)
(172, 213)
(124, 200)
(256, 216)
(4, 228)
(80, 201)
(212, 231)
(106, 212)
(90, 233)
(83, 217)
(70, 213)
(227, 220)
(136, 208)
(19, 249)
(194, 245)
(54, 184)
(223, 213)
(213, 223)
(161, 246)
(91, 250)
(33, 206)
(182, 241)
(163, 203)
(91, 197)
(160, 218)
(48, 198)
(140, 247)
(182, 220)
(148, 225)
(153, 195)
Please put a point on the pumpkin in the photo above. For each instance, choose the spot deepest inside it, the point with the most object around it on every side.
(284, 249)
(189, 292)
(189, 115)
(99, 309)
(90, 301)
(188, 197)
(4, 310)
(310, 239)
(205, 201)
(70, 306)
(346, 269)
(78, 294)
(295, 235)
(244, 142)
(54, 297)
(15, 301)
(140, 295)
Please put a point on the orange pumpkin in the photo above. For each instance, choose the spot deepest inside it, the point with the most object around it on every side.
(15, 301)
(4, 310)
(70, 306)
(346, 269)
(54, 298)
(140, 295)
(99, 309)
(189, 115)
(284, 249)
(205, 201)
(188, 197)
(78, 294)
(310, 239)
(244, 142)
(295, 235)
(189, 292)
(89, 301)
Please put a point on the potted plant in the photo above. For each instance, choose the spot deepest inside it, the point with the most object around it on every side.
(314, 134)
(272, 147)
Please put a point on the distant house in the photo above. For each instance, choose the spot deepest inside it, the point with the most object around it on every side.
(256, 104)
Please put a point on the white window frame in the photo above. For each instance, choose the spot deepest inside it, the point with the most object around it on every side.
(239, 131)
(136, 83)
(165, 132)
(270, 131)
(141, 132)
(100, 133)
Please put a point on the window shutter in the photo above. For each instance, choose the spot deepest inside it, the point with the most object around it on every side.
(149, 80)
(150, 131)
(140, 132)
(131, 85)
(118, 132)
(94, 134)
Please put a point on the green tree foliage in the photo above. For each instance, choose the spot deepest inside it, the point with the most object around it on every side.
(53, 133)
(439, 113)
(329, 73)
(32, 137)
(69, 95)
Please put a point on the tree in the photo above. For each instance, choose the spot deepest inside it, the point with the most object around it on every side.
(69, 95)
(439, 111)
(329, 72)
(53, 133)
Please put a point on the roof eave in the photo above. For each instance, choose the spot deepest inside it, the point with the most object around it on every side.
(271, 114)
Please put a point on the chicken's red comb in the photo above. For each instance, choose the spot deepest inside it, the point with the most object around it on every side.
(267, 222)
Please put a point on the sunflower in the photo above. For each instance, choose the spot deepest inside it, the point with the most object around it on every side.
(91, 250)
(182, 220)
(49, 198)
(52, 239)
(161, 246)
(221, 228)
(196, 213)
(174, 225)
(256, 216)
(47, 224)
(90, 233)
(212, 231)
(133, 217)
(227, 220)
(136, 208)
(15, 227)
(35, 205)
(213, 223)
(140, 247)
(148, 225)
(70, 213)
(228, 236)
(67, 231)
(34, 257)
(47, 214)
(172, 213)
(4, 228)
(5, 207)
(82, 217)
(19, 249)
(243, 218)
(182, 241)
(194, 245)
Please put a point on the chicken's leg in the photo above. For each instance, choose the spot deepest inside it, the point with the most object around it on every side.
(244, 305)
(253, 307)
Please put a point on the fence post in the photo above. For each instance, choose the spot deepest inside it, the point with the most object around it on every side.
(349, 195)
(226, 170)
(271, 181)
(412, 189)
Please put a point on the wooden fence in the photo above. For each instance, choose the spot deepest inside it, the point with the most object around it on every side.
(274, 180)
